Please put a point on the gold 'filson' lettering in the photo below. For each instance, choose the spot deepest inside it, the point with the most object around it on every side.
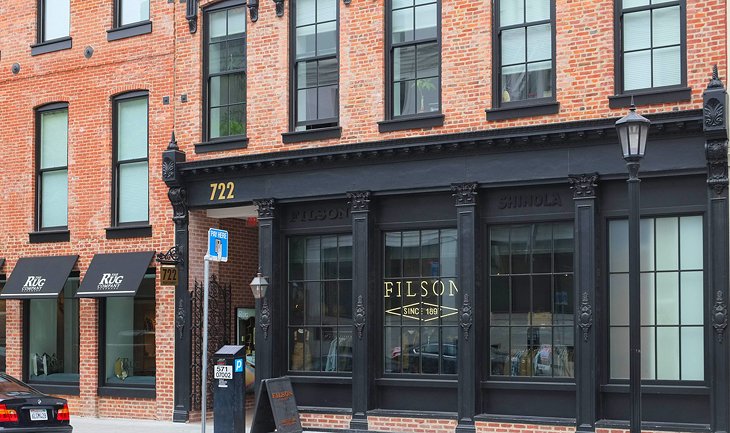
(436, 288)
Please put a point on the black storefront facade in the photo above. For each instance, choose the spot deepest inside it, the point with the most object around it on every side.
(480, 277)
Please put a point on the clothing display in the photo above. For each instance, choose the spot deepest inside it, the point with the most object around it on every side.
(336, 361)
(301, 356)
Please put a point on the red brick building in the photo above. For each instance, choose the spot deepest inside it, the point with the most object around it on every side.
(346, 127)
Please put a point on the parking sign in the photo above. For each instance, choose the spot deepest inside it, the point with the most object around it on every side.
(217, 245)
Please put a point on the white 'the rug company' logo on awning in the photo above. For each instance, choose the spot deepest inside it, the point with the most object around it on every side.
(110, 281)
(33, 284)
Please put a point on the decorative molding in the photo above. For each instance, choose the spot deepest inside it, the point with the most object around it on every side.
(465, 193)
(191, 14)
(172, 145)
(714, 113)
(180, 319)
(279, 7)
(174, 256)
(179, 198)
(715, 82)
(265, 321)
(347, 2)
(466, 317)
(585, 318)
(360, 317)
(719, 316)
(359, 201)
(168, 169)
(717, 169)
(266, 207)
(253, 10)
(560, 135)
(583, 185)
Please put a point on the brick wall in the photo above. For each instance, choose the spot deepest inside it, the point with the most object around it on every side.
(87, 85)
(584, 61)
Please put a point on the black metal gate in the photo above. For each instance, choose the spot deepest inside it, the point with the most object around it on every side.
(219, 332)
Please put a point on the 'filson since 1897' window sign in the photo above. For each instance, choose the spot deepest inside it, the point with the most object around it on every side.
(419, 297)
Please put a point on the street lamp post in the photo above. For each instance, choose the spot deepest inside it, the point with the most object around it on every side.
(259, 286)
(632, 130)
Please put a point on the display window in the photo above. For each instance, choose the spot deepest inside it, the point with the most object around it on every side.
(420, 312)
(531, 300)
(320, 303)
(672, 298)
(53, 337)
(129, 337)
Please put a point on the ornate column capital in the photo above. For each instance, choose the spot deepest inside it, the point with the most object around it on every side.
(266, 207)
(465, 193)
(191, 14)
(717, 171)
(359, 201)
(583, 185)
(178, 196)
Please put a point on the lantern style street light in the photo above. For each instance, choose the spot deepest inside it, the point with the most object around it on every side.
(259, 286)
(632, 131)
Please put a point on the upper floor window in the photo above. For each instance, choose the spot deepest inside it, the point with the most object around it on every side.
(52, 166)
(131, 167)
(315, 73)
(132, 11)
(672, 298)
(652, 44)
(414, 58)
(225, 70)
(525, 62)
(54, 18)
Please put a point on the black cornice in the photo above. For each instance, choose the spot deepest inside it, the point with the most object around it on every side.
(566, 134)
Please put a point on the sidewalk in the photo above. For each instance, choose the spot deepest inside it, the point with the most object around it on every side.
(96, 425)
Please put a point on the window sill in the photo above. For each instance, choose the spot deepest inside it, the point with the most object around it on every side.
(124, 232)
(55, 389)
(128, 31)
(49, 236)
(311, 135)
(51, 46)
(427, 121)
(648, 97)
(126, 391)
(219, 145)
(516, 112)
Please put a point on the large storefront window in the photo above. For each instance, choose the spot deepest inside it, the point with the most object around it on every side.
(531, 300)
(419, 292)
(130, 337)
(672, 298)
(320, 303)
(53, 337)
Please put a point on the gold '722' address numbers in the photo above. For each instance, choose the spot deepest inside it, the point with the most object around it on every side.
(221, 191)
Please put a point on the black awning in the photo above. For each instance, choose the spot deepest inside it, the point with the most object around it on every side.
(38, 277)
(114, 274)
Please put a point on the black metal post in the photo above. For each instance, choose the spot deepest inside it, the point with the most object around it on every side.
(267, 307)
(584, 267)
(716, 146)
(183, 336)
(634, 298)
(362, 365)
(467, 241)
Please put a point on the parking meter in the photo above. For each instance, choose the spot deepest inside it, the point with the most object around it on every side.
(229, 387)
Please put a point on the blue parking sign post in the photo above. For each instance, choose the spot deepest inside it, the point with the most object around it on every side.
(217, 252)
(238, 365)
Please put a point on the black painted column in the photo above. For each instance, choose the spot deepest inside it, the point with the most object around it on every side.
(268, 307)
(467, 241)
(362, 365)
(584, 283)
(179, 254)
(715, 128)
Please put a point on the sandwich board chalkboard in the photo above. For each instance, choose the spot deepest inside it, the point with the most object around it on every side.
(276, 408)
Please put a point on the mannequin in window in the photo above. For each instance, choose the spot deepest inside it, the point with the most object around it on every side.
(410, 342)
(301, 357)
